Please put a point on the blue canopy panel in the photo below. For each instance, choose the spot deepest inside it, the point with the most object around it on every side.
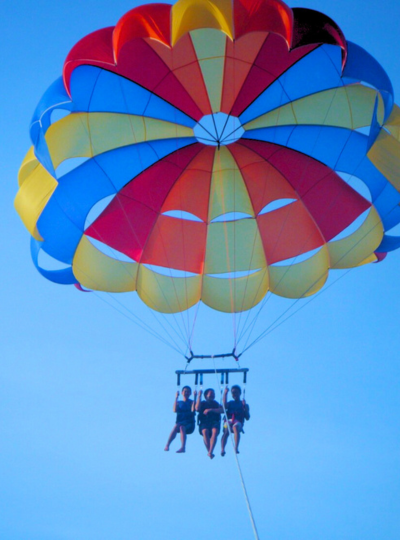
(96, 90)
(361, 66)
(318, 71)
(342, 150)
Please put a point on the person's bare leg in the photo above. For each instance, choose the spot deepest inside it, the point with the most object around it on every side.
(236, 433)
(224, 438)
(183, 440)
(171, 437)
(206, 439)
(213, 442)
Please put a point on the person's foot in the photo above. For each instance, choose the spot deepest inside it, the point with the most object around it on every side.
(211, 456)
(180, 451)
(166, 449)
(237, 451)
(223, 453)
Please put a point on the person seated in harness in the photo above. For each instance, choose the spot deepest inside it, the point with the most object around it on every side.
(209, 419)
(237, 412)
(185, 418)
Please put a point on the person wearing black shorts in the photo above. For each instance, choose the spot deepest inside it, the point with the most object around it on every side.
(209, 419)
(185, 418)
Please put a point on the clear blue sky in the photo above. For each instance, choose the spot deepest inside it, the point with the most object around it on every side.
(86, 397)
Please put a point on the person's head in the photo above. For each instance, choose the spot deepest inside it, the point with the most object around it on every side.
(209, 394)
(236, 391)
(186, 391)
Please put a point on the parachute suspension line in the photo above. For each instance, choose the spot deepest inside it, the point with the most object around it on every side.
(251, 325)
(269, 330)
(196, 312)
(133, 318)
(274, 326)
(252, 520)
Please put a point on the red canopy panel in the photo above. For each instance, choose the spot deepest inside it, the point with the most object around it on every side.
(288, 232)
(270, 15)
(263, 181)
(125, 226)
(191, 192)
(150, 20)
(182, 60)
(331, 202)
(152, 186)
(177, 243)
(240, 55)
(126, 223)
(273, 59)
(139, 62)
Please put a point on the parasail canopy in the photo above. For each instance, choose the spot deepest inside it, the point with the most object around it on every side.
(213, 151)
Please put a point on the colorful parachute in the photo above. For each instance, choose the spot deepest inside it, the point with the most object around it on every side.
(205, 151)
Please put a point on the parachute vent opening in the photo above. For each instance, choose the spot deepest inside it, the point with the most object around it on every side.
(298, 259)
(353, 227)
(275, 205)
(218, 129)
(69, 165)
(181, 214)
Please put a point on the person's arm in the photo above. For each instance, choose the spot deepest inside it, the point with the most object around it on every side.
(175, 407)
(216, 410)
(198, 402)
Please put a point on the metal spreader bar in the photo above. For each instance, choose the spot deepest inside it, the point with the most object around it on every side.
(200, 372)
(225, 355)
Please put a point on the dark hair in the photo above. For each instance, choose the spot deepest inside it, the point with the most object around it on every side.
(238, 387)
(186, 387)
(208, 390)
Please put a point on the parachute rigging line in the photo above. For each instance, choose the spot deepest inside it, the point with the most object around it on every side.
(268, 330)
(133, 318)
